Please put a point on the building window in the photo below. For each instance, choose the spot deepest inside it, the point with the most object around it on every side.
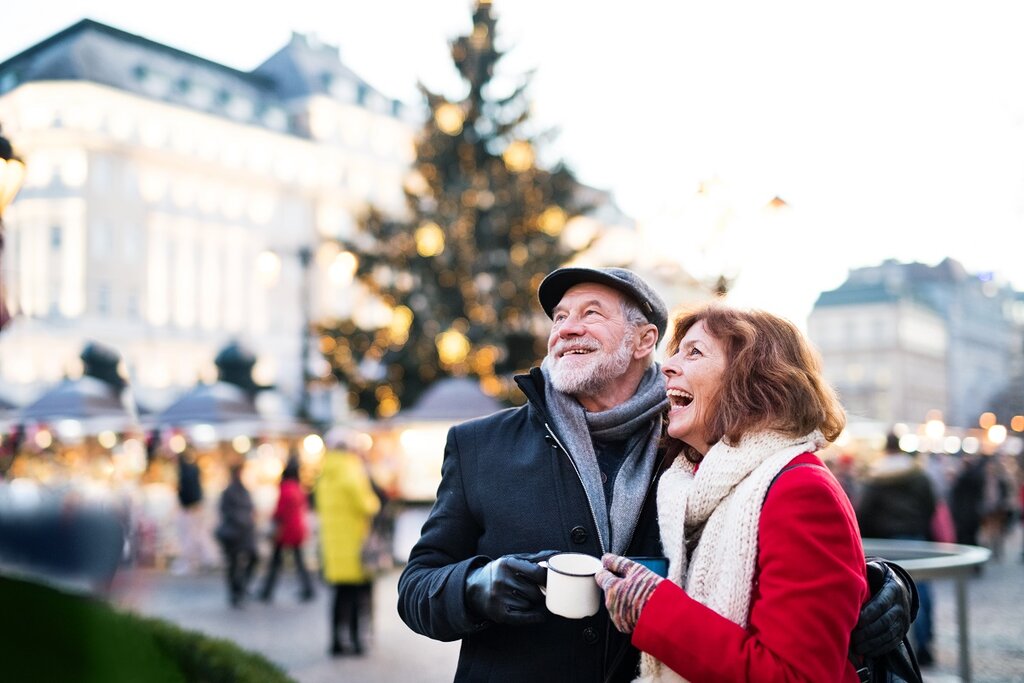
(132, 306)
(240, 108)
(103, 299)
(274, 117)
(8, 81)
(102, 239)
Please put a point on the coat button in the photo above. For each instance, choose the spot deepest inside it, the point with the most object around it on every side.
(590, 635)
(578, 535)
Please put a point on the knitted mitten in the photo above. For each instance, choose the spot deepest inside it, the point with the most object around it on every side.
(626, 586)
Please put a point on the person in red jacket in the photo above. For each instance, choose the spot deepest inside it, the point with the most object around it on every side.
(766, 569)
(290, 531)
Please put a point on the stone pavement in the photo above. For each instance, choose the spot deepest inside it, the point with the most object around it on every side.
(291, 633)
(294, 634)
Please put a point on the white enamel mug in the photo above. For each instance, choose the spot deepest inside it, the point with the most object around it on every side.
(571, 589)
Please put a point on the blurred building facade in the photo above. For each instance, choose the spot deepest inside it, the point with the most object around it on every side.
(908, 342)
(173, 204)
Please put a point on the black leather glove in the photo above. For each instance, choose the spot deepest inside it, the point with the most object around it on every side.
(886, 617)
(507, 590)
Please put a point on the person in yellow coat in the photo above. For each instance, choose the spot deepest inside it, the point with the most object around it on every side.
(346, 505)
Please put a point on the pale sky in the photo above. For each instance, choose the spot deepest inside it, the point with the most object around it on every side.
(892, 129)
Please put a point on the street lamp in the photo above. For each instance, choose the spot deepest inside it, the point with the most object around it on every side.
(305, 259)
(12, 173)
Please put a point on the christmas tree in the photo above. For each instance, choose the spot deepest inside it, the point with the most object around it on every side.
(459, 273)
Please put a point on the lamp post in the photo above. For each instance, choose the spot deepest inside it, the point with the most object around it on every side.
(12, 173)
(305, 259)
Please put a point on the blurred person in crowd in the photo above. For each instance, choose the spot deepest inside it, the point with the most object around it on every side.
(965, 498)
(572, 470)
(346, 506)
(1020, 508)
(898, 502)
(844, 467)
(290, 532)
(996, 504)
(237, 535)
(747, 514)
(196, 552)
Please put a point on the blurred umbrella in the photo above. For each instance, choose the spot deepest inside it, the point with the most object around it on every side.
(86, 399)
(227, 408)
(452, 399)
(210, 403)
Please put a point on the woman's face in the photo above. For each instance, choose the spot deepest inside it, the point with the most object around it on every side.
(694, 378)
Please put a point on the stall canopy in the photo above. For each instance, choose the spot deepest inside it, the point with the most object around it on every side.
(229, 404)
(210, 403)
(98, 399)
(452, 399)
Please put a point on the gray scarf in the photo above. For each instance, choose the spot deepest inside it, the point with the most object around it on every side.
(639, 420)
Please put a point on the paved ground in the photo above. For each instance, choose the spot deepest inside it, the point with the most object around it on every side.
(294, 634)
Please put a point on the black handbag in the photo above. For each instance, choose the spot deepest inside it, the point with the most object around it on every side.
(898, 665)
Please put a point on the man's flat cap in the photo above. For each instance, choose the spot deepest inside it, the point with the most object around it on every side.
(558, 282)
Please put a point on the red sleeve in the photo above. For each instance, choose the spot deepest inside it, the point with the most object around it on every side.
(809, 584)
(282, 503)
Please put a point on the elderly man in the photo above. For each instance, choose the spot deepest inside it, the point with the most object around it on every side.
(573, 470)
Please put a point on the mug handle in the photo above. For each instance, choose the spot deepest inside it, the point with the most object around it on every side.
(543, 563)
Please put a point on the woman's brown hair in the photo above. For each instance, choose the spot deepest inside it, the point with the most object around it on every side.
(772, 379)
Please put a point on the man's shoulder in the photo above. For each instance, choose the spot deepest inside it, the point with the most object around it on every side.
(498, 420)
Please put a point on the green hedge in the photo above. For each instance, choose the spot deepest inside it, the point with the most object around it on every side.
(47, 635)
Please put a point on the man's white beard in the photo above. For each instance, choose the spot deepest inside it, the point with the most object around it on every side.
(599, 370)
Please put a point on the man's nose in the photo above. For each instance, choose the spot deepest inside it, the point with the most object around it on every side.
(571, 327)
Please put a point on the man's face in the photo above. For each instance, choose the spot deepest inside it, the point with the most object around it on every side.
(591, 344)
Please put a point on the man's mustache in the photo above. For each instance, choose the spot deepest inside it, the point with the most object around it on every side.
(577, 345)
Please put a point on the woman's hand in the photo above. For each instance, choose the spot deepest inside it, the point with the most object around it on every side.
(627, 586)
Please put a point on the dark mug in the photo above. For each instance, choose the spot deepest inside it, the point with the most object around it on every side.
(658, 565)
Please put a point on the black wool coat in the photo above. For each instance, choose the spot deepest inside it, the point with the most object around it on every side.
(508, 487)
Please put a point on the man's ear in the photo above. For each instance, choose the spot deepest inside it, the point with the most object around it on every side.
(647, 341)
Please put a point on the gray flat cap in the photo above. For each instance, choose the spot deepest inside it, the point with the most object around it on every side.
(558, 282)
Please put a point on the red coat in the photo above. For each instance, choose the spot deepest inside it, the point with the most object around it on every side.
(290, 514)
(809, 584)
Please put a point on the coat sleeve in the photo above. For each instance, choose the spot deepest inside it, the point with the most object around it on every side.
(808, 588)
(366, 501)
(431, 589)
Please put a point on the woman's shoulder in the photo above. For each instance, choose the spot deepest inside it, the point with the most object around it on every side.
(805, 477)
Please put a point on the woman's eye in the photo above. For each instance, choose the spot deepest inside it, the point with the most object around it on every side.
(694, 351)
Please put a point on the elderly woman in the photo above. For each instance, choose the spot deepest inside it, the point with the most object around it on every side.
(766, 570)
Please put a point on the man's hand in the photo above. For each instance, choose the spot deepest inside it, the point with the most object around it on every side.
(886, 617)
(507, 590)
(627, 586)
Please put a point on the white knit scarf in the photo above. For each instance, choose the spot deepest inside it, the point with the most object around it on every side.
(719, 507)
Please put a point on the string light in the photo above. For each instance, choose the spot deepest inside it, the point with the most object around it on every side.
(518, 156)
(449, 118)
